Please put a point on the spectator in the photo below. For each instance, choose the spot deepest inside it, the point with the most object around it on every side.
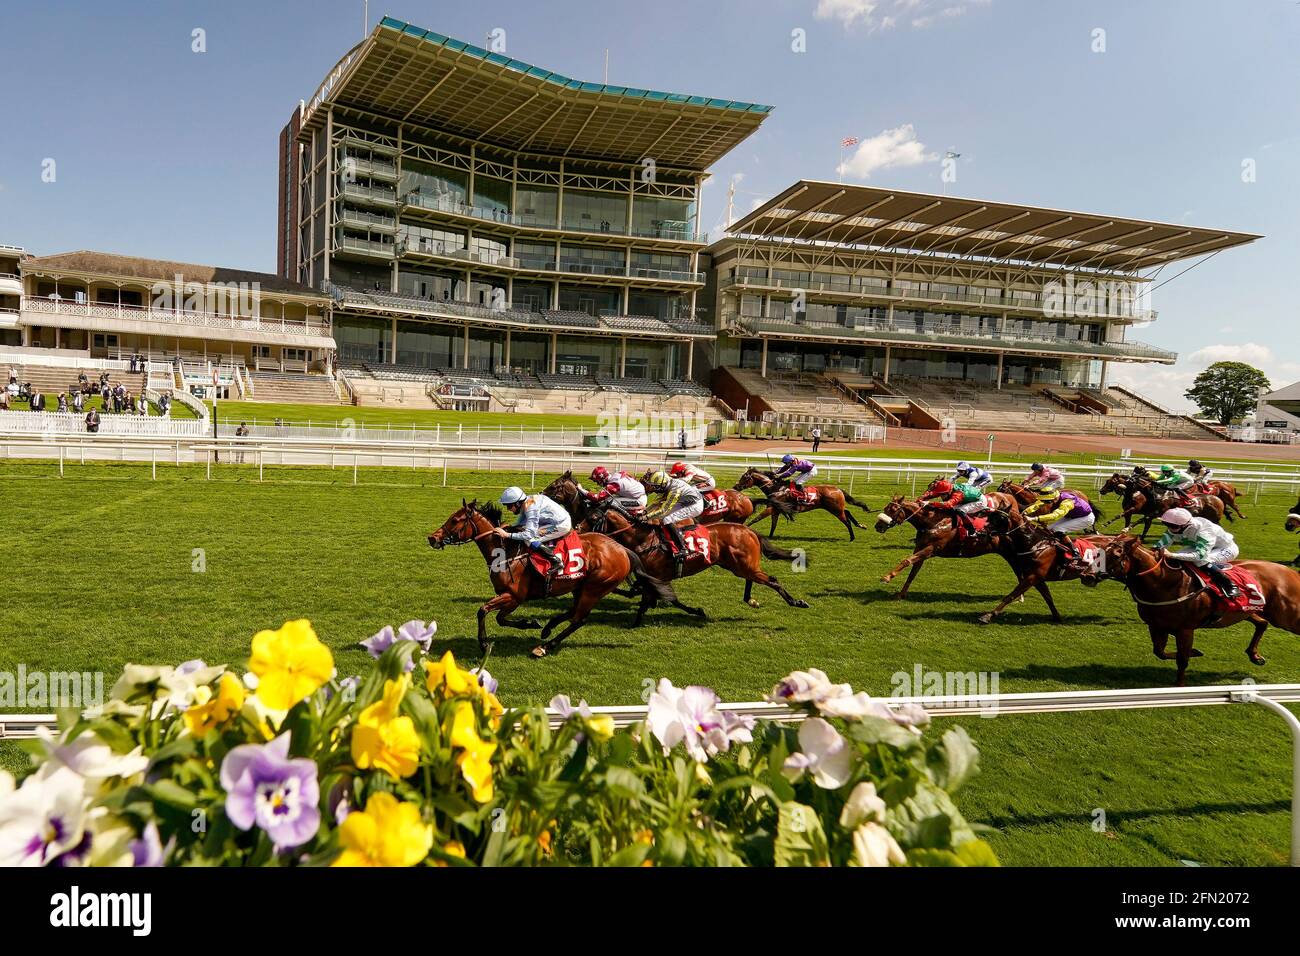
(78, 402)
(4, 399)
(816, 438)
(63, 401)
(241, 432)
(36, 400)
(92, 421)
(142, 404)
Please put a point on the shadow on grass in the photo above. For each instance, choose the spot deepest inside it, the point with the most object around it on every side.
(1119, 817)
(1120, 677)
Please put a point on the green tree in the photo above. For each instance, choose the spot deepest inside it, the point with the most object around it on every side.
(1226, 391)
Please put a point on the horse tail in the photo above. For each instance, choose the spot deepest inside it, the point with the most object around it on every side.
(783, 507)
(776, 554)
(662, 589)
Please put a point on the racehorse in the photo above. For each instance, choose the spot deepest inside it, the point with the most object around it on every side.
(999, 500)
(1292, 524)
(1028, 496)
(607, 564)
(937, 536)
(1143, 499)
(829, 498)
(1035, 557)
(1172, 601)
(733, 548)
(1224, 492)
(566, 490)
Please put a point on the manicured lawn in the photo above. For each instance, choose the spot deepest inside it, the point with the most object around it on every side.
(107, 576)
(267, 412)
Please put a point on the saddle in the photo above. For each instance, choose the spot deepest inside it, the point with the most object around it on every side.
(573, 561)
(1250, 599)
(715, 502)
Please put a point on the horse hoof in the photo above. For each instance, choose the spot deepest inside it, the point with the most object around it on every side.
(752, 603)
(538, 651)
(1257, 660)
(802, 604)
(985, 619)
(1194, 653)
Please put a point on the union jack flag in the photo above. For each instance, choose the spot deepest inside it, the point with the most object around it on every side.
(848, 141)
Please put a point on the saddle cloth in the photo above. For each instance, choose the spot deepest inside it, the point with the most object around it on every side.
(573, 562)
(1251, 599)
(808, 497)
(697, 542)
(715, 502)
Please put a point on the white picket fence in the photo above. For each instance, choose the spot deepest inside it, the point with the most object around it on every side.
(54, 424)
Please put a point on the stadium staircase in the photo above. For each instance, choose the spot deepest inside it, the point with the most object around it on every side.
(52, 379)
(802, 398)
(292, 388)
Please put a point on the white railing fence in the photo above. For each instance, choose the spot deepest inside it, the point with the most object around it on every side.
(1273, 697)
(55, 424)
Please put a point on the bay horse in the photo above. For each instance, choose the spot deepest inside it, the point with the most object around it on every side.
(1034, 556)
(1172, 601)
(829, 498)
(999, 500)
(566, 490)
(1142, 499)
(734, 547)
(936, 537)
(1226, 493)
(607, 561)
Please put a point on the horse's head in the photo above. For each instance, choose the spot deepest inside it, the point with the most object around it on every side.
(466, 524)
(564, 490)
(1114, 484)
(1008, 487)
(1119, 555)
(895, 512)
(1004, 522)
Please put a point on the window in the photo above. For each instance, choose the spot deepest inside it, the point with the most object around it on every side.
(663, 218)
(590, 211)
(537, 205)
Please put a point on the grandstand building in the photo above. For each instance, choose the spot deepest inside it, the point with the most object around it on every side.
(922, 308)
(499, 230)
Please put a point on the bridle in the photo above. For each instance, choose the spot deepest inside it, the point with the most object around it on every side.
(455, 537)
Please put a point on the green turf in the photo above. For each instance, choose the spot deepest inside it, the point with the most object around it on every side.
(179, 410)
(267, 412)
(101, 574)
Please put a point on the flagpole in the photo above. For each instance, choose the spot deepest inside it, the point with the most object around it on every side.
(840, 168)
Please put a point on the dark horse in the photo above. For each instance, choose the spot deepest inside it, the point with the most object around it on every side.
(1143, 499)
(829, 498)
(937, 536)
(1028, 496)
(607, 563)
(733, 547)
(1172, 601)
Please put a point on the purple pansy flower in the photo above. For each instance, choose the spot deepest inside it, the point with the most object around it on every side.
(416, 631)
(485, 679)
(267, 789)
(147, 851)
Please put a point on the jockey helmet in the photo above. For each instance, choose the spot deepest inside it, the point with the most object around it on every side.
(600, 474)
(786, 459)
(943, 486)
(964, 468)
(1166, 469)
(1177, 517)
(1047, 496)
(678, 469)
(512, 495)
(657, 479)
(1194, 465)
(1036, 467)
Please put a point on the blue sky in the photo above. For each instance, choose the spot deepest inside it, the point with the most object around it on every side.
(168, 153)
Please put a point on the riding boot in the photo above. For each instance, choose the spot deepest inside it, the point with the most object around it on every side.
(1073, 560)
(680, 557)
(1219, 573)
(548, 551)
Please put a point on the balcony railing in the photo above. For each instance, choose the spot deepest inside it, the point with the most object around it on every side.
(370, 247)
(367, 220)
(908, 334)
(374, 194)
(375, 168)
(462, 254)
(458, 207)
(182, 317)
(1003, 303)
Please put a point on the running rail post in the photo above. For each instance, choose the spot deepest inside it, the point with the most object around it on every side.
(1293, 723)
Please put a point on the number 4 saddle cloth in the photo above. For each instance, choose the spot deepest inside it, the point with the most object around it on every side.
(1251, 597)
(573, 563)
(697, 542)
(715, 502)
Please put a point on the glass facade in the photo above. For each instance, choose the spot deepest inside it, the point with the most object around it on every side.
(591, 211)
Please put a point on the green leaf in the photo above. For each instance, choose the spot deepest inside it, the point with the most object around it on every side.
(624, 783)
(800, 839)
(633, 855)
(172, 794)
(953, 760)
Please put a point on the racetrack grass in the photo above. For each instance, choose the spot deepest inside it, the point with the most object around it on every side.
(267, 412)
(101, 574)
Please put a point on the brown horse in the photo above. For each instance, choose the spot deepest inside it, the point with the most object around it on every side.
(936, 537)
(567, 491)
(1036, 558)
(733, 548)
(1224, 492)
(1172, 601)
(1143, 499)
(999, 500)
(829, 498)
(608, 563)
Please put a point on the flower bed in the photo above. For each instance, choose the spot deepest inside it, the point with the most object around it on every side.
(416, 762)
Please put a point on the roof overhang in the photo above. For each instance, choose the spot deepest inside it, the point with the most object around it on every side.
(416, 76)
(872, 217)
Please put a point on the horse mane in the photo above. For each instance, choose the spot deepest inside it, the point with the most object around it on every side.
(487, 510)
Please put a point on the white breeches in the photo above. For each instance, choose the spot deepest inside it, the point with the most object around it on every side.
(1082, 523)
(684, 512)
(1217, 556)
(801, 477)
(971, 507)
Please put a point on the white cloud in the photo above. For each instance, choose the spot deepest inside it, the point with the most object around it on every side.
(1166, 384)
(885, 150)
(876, 15)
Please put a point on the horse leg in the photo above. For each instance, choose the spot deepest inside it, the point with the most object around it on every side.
(914, 558)
(749, 591)
(1184, 640)
(1159, 642)
(762, 577)
(505, 601)
(504, 619)
(844, 520)
(1042, 589)
(911, 576)
(583, 602)
(647, 602)
(759, 516)
(1021, 587)
(1146, 529)
(1252, 649)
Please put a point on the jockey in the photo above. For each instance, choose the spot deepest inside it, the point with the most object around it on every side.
(972, 475)
(1201, 474)
(625, 490)
(1063, 512)
(964, 500)
(693, 474)
(1044, 478)
(1172, 479)
(541, 521)
(680, 502)
(798, 469)
(1211, 547)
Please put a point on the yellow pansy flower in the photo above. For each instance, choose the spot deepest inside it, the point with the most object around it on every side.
(209, 710)
(475, 759)
(290, 664)
(385, 740)
(451, 848)
(601, 727)
(444, 677)
(387, 833)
